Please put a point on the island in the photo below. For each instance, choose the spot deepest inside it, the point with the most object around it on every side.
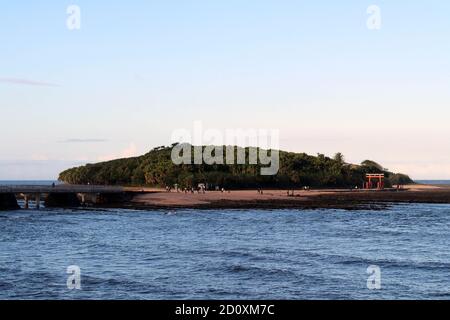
(296, 170)
(154, 181)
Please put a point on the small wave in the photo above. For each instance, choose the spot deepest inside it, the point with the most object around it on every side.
(261, 271)
(392, 263)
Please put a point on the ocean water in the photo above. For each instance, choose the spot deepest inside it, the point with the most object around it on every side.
(27, 182)
(226, 254)
(435, 182)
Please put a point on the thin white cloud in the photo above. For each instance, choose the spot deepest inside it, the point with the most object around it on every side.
(83, 141)
(27, 82)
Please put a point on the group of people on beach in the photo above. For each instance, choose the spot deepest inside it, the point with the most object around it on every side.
(200, 189)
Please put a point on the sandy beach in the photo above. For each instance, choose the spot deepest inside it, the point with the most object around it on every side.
(329, 198)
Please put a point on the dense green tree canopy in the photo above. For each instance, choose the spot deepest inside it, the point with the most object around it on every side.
(372, 165)
(296, 170)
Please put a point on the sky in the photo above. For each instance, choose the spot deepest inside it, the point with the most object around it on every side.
(136, 71)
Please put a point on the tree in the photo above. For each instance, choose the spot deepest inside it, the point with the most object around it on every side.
(400, 179)
(339, 158)
(369, 164)
(156, 169)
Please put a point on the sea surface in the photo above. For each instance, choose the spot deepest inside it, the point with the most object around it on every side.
(435, 182)
(226, 254)
(27, 182)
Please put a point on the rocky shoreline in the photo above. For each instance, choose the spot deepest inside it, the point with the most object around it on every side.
(269, 199)
(276, 199)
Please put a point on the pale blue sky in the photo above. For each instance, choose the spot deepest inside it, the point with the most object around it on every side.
(137, 70)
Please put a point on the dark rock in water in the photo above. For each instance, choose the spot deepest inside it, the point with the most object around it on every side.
(112, 198)
(62, 200)
(8, 202)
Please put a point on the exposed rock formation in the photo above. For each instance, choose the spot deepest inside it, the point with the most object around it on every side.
(8, 201)
(62, 200)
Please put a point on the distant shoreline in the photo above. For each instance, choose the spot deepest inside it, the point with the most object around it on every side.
(141, 198)
(278, 199)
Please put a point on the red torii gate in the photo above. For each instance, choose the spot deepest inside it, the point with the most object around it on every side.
(369, 184)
